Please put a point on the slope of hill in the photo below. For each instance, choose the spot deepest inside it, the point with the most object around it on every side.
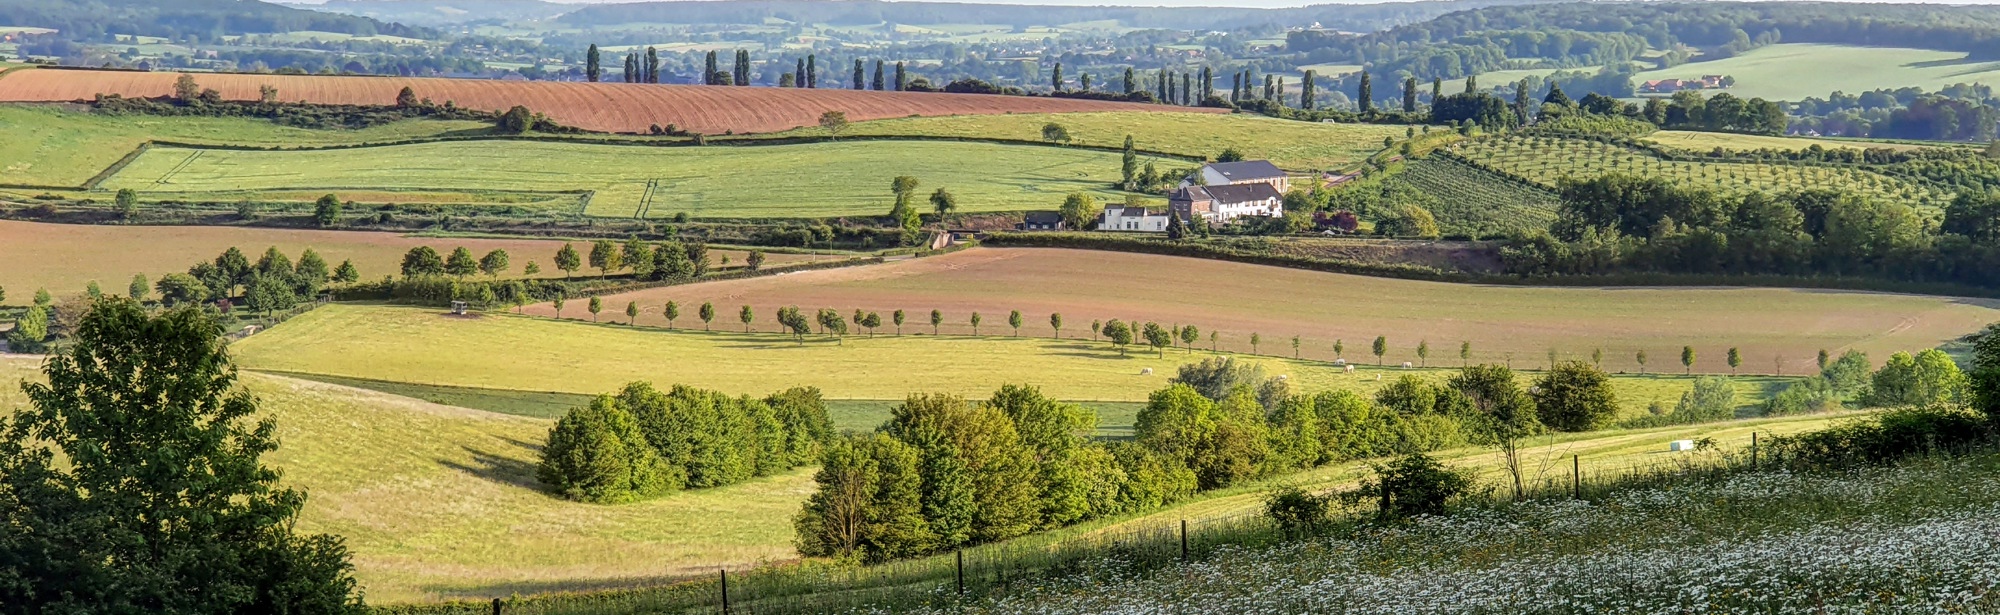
(1340, 16)
(1797, 71)
(173, 19)
(608, 107)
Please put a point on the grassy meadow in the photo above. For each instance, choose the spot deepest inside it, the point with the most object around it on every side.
(1793, 71)
(781, 181)
(48, 146)
(64, 258)
(1236, 300)
(1292, 145)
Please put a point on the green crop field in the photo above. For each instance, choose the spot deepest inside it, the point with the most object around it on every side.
(43, 145)
(1291, 145)
(1545, 160)
(809, 180)
(1474, 201)
(1796, 71)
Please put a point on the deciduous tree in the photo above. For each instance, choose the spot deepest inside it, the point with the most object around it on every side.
(134, 482)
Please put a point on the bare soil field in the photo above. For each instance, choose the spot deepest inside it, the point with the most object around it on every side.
(608, 107)
(1777, 330)
(63, 258)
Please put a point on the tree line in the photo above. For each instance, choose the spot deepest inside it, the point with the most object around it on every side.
(946, 473)
(1620, 223)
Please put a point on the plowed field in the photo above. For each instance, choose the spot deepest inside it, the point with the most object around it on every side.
(609, 107)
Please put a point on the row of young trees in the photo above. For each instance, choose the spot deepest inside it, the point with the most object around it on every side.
(643, 443)
(945, 473)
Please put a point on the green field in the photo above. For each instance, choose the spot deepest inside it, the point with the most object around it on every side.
(1795, 71)
(42, 145)
(382, 343)
(1292, 145)
(1546, 160)
(778, 181)
(1694, 141)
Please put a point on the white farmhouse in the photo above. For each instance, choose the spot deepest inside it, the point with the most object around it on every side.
(1134, 219)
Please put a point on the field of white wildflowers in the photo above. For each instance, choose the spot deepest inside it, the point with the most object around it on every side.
(1922, 537)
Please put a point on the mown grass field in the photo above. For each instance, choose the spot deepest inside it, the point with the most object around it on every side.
(63, 258)
(1292, 145)
(778, 181)
(48, 146)
(1793, 71)
(1546, 160)
(441, 502)
(1237, 300)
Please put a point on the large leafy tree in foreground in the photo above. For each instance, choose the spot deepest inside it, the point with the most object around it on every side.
(131, 484)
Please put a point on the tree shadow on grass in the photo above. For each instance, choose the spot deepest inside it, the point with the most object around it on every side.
(504, 470)
(530, 588)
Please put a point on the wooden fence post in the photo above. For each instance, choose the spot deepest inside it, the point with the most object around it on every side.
(961, 572)
(496, 606)
(1576, 476)
(1753, 450)
(1184, 544)
(725, 592)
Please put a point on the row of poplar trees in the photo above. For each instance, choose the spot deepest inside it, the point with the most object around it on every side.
(643, 442)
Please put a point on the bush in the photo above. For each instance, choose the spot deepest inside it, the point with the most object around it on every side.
(1412, 486)
(1887, 437)
(1575, 396)
(1298, 513)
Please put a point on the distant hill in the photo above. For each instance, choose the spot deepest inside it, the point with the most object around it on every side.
(1352, 17)
(97, 20)
(443, 12)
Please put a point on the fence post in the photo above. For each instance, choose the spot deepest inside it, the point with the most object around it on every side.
(1576, 476)
(961, 572)
(496, 606)
(1753, 450)
(1184, 546)
(725, 592)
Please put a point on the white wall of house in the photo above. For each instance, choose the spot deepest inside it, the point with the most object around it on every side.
(1115, 220)
(1266, 207)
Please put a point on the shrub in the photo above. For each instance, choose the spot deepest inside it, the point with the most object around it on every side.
(1575, 396)
(1712, 398)
(1298, 513)
(1885, 437)
(1411, 486)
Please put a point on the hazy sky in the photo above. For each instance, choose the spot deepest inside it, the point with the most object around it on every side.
(1262, 4)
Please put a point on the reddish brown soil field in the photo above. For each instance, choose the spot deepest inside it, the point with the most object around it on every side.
(1517, 323)
(63, 258)
(609, 107)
